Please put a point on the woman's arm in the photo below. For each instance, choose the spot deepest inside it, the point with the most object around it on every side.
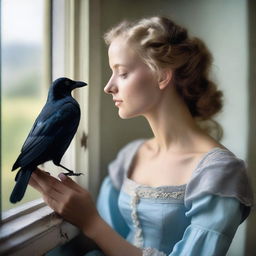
(214, 221)
(75, 205)
(111, 243)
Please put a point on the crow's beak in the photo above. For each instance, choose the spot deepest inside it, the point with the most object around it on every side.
(79, 84)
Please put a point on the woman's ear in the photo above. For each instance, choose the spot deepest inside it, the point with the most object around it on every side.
(165, 78)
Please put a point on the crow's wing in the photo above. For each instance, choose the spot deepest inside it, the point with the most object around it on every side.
(45, 131)
(48, 110)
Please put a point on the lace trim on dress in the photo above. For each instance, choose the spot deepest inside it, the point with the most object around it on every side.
(138, 239)
(152, 252)
(137, 192)
(164, 192)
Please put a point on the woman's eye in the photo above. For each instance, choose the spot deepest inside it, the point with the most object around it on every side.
(123, 75)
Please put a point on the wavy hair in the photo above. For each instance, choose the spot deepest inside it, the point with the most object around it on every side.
(162, 43)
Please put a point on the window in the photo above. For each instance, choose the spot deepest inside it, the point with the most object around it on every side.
(22, 80)
(61, 43)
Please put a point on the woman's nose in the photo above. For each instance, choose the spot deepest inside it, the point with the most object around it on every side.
(110, 87)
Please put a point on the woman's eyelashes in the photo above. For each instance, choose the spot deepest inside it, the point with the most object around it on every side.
(123, 75)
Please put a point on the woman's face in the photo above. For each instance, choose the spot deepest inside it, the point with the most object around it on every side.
(133, 85)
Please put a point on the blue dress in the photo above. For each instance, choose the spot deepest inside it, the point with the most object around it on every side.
(195, 219)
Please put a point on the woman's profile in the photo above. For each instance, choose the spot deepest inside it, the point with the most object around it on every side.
(179, 193)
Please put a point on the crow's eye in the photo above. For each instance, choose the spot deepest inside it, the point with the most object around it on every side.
(66, 82)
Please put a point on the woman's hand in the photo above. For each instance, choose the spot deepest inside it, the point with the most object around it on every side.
(68, 199)
(75, 205)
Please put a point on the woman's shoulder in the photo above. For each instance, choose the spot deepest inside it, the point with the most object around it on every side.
(220, 173)
(220, 159)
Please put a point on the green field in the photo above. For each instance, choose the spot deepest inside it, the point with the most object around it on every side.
(18, 115)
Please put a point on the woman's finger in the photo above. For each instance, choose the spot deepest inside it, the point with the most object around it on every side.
(50, 185)
(52, 202)
(52, 190)
(41, 170)
(69, 182)
(51, 198)
(33, 183)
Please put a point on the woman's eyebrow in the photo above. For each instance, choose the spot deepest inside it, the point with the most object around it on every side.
(119, 65)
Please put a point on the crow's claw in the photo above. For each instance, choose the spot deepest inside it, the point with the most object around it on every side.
(73, 174)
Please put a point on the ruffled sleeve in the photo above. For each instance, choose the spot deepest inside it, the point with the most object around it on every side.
(218, 198)
(214, 221)
(222, 174)
(118, 168)
(107, 205)
(107, 201)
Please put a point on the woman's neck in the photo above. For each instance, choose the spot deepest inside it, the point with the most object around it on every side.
(172, 124)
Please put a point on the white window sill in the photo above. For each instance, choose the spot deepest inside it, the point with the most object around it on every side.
(33, 229)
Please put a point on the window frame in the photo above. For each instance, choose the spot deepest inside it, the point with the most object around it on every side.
(33, 226)
(0, 109)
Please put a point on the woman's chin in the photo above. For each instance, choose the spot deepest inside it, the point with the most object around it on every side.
(124, 115)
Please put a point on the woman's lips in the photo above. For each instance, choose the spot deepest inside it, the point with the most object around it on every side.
(117, 102)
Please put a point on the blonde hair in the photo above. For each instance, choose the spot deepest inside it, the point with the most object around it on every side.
(162, 43)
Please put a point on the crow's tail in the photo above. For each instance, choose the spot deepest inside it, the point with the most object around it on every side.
(22, 179)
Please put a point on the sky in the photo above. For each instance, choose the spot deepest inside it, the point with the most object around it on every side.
(22, 20)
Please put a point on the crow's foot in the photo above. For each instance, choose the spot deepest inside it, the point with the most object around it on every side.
(71, 173)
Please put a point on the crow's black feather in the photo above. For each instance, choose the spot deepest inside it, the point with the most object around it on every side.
(50, 135)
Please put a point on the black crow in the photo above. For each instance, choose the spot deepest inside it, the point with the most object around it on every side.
(50, 135)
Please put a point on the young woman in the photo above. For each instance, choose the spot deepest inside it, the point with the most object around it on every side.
(179, 193)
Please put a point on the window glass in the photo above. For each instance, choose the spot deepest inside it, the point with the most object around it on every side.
(23, 91)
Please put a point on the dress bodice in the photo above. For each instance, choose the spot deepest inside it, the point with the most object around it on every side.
(196, 219)
(152, 214)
